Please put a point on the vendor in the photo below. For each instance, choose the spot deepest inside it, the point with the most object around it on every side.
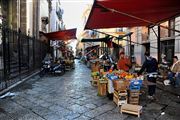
(124, 62)
(150, 66)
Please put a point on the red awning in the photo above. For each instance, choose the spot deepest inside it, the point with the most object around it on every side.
(62, 35)
(130, 13)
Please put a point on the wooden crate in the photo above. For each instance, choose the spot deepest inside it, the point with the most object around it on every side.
(133, 100)
(102, 87)
(119, 85)
(95, 77)
(131, 109)
(133, 93)
(119, 99)
(94, 83)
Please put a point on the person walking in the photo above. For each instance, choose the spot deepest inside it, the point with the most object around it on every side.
(150, 65)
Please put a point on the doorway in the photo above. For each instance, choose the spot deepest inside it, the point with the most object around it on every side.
(167, 48)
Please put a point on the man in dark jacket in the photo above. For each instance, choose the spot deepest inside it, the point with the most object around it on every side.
(150, 66)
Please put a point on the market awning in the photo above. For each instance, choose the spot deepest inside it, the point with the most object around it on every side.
(95, 40)
(107, 40)
(130, 13)
(62, 35)
(92, 47)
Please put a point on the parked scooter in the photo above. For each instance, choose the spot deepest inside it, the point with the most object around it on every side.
(54, 68)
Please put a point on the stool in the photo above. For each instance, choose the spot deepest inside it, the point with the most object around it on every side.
(131, 109)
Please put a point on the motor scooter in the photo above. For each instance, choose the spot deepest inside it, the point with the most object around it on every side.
(53, 68)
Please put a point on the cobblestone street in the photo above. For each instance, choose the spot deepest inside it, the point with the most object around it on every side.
(72, 97)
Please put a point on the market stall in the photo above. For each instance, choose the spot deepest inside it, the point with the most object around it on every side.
(124, 87)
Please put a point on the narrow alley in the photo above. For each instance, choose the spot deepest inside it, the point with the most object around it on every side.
(71, 96)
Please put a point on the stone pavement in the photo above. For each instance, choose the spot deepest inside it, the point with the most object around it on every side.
(71, 96)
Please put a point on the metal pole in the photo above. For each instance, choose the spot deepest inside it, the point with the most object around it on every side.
(4, 55)
(159, 45)
(130, 48)
(8, 50)
(28, 52)
(19, 52)
(33, 40)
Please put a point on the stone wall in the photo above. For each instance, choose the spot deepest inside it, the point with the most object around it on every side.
(23, 17)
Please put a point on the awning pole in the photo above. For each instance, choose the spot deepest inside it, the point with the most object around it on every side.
(159, 44)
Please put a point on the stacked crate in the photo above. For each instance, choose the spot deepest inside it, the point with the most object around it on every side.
(102, 87)
(134, 92)
(134, 97)
(120, 97)
(120, 92)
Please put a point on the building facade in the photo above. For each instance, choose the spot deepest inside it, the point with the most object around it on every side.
(21, 51)
(56, 24)
(146, 39)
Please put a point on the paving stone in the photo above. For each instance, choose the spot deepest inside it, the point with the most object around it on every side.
(82, 117)
(41, 110)
(56, 108)
(154, 106)
(111, 116)
(72, 116)
(90, 106)
(97, 111)
(5, 117)
(54, 117)
(30, 116)
(64, 113)
(77, 108)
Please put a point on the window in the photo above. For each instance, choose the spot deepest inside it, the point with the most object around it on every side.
(166, 32)
(172, 26)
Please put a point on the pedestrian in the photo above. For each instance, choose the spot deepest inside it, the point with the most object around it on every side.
(124, 62)
(150, 65)
(174, 74)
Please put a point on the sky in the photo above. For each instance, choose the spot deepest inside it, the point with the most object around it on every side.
(73, 11)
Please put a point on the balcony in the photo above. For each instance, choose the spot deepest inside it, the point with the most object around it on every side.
(59, 14)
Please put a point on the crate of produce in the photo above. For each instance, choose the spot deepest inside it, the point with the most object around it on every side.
(119, 85)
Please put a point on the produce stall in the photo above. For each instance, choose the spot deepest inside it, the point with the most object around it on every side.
(123, 86)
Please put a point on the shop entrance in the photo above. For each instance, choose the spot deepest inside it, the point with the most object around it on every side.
(167, 48)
